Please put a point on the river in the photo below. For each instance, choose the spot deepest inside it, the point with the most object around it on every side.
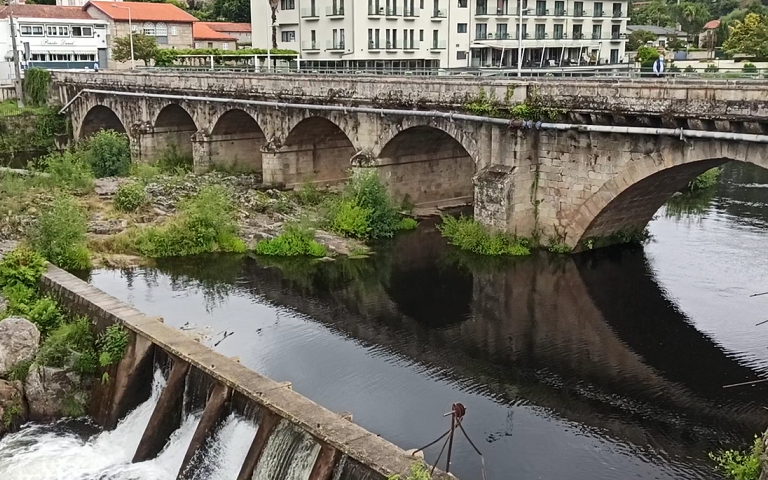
(603, 365)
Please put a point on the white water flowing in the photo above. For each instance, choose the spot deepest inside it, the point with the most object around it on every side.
(51, 452)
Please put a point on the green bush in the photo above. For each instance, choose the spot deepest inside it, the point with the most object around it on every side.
(35, 86)
(171, 160)
(689, 69)
(740, 465)
(373, 205)
(108, 153)
(749, 68)
(711, 68)
(469, 235)
(19, 371)
(68, 170)
(45, 314)
(20, 298)
(308, 195)
(112, 344)
(705, 180)
(60, 235)
(130, 197)
(22, 266)
(293, 241)
(144, 172)
(70, 345)
(407, 223)
(205, 223)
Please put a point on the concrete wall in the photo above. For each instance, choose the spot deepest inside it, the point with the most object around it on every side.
(336, 437)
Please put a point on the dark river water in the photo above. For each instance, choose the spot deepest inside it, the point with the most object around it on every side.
(605, 365)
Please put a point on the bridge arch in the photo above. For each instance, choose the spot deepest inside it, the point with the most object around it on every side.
(429, 165)
(628, 201)
(236, 141)
(98, 118)
(172, 132)
(321, 150)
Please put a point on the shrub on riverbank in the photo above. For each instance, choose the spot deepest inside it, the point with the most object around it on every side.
(293, 241)
(705, 180)
(69, 171)
(60, 235)
(365, 209)
(470, 235)
(130, 197)
(108, 153)
(205, 223)
(740, 465)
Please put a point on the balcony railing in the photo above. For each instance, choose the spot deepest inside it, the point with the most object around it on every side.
(392, 11)
(618, 36)
(495, 36)
(561, 12)
(579, 12)
(595, 36)
(309, 45)
(337, 11)
(411, 13)
(374, 11)
(578, 36)
(439, 14)
(502, 11)
(618, 14)
(542, 12)
(309, 13)
(411, 45)
(597, 14)
(438, 45)
(374, 45)
(483, 11)
(334, 45)
(560, 36)
(541, 35)
(391, 45)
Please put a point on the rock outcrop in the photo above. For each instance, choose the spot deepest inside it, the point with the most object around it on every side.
(13, 409)
(54, 392)
(19, 341)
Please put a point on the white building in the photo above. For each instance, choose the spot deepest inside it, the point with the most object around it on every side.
(445, 33)
(51, 37)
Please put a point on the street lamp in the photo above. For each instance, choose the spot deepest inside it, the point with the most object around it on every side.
(130, 32)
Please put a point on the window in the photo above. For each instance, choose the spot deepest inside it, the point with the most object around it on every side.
(26, 29)
(197, 45)
(614, 55)
(501, 31)
(288, 36)
(597, 30)
(287, 4)
(461, 28)
(558, 32)
(462, 4)
(541, 8)
(598, 9)
(39, 57)
(577, 32)
(84, 57)
(149, 29)
(174, 30)
(210, 44)
(481, 31)
(539, 31)
(161, 33)
(134, 28)
(578, 9)
(560, 8)
(60, 57)
(82, 31)
(421, 32)
(225, 46)
(37, 30)
(461, 55)
(54, 31)
(421, 4)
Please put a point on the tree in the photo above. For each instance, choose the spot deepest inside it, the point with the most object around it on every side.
(639, 38)
(144, 48)
(691, 16)
(273, 6)
(232, 10)
(749, 36)
(655, 13)
(646, 55)
(675, 44)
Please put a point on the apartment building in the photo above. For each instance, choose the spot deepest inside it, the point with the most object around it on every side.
(446, 33)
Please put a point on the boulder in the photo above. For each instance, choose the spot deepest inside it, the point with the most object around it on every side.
(52, 392)
(13, 410)
(19, 341)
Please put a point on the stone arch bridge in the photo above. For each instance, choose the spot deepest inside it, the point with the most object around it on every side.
(599, 170)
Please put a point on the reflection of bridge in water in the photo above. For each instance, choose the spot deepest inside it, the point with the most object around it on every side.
(593, 340)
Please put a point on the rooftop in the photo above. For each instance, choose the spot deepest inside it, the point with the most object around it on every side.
(712, 24)
(44, 11)
(229, 27)
(202, 31)
(141, 11)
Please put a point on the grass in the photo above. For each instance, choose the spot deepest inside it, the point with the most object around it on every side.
(9, 108)
(740, 465)
(294, 241)
(60, 234)
(470, 235)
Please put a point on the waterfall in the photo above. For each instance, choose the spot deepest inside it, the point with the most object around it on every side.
(290, 454)
(58, 452)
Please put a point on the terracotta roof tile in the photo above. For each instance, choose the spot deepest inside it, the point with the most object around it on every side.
(230, 27)
(44, 11)
(141, 11)
(201, 31)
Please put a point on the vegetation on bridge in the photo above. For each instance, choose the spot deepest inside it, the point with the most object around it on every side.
(487, 105)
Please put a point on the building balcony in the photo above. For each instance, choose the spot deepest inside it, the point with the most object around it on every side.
(438, 45)
(541, 12)
(495, 36)
(374, 45)
(438, 15)
(503, 11)
(580, 14)
(391, 46)
(541, 36)
(561, 12)
(482, 12)
(337, 45)
(578, 36)
(598, 15)
(411, 13)
(392, 12)
(618, 14)
(374, 12)
(334, 12)
(309, 45)
(411, 46)
(617, 37)
(596, 36)
(310, 14)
